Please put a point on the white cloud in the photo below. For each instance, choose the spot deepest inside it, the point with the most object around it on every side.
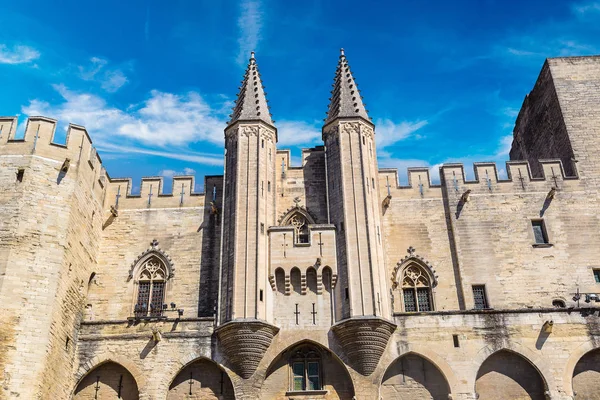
(199, 158)
(169, 173)
(164, 119)
(294, 133)
(250, 25)
(110, 79)
(390, 132)
(17, 54)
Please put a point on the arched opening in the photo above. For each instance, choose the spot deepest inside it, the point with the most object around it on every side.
(586, 376)
(307, 368)
(327, 279)
(296, 280)
(106, 382)
(416, 289)
(280, 280)
(201, 380)
(414, 377)
(311, 280)
(512, 375)
(151, 285)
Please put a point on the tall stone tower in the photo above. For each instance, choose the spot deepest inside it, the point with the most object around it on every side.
(355, 209)
(248, 210)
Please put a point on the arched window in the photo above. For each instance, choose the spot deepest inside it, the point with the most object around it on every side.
(311, 280)
(305, 370)
(280, 280)
(416, 289)
(151, 288)
(301, 232)
(296, 280)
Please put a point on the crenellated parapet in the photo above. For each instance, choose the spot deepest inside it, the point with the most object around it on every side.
(38, 140)
(486, 180)
(152, 193)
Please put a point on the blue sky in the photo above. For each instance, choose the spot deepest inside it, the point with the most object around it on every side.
(154, 81)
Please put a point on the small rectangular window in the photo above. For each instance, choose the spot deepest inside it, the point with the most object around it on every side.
(262, 228)
(342, 226)
(269, 186)
(262, 144)
(455, 340)
(479, 297)
(539, 231)
(20, 174)
(373, 182)
(597, 275)
(260, 295)
(347, 294)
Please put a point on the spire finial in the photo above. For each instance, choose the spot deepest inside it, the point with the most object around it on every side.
(252, 55)
(342, 52)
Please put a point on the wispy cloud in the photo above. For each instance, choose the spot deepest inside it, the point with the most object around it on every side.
(390, 132)
(294, 133)
(169, 173)
(164, 119)
(250, 24)
(17, 54)
(110, 79)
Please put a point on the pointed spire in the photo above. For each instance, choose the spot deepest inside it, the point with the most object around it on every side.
(345, 98)
(251, 103)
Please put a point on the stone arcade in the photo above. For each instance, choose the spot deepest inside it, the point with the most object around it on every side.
(321, 281)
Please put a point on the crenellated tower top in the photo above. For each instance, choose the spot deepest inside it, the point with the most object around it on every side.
(345, 101)
(251, 103)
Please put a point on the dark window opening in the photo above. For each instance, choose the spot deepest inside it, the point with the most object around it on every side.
(597, 275)
(347, 293)
(262, 228)
(479, 297)
(20, 174)
(306, 371)
(455, 340)
(539, 231)
(260, 295)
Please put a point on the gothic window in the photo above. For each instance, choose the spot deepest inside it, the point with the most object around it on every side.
(151, 288)
(301, 232)
(305, 368)
(539, 231)
(416, 290)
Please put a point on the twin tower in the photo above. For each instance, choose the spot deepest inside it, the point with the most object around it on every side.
(267, 244)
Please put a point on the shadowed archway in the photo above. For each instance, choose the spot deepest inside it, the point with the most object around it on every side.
(412, 376)
(586, 376)
(106, 381)
(202, 379)
(512, 375)
(304, 367)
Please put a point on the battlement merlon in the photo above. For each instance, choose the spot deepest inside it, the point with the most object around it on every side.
(38, 140)
(151, 196)
(486, 179)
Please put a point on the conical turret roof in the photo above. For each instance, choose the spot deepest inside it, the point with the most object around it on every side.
(345, 98)
(251, 103)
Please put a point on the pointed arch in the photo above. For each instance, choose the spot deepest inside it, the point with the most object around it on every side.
(296, 280)
(208, 379)
(152, 251)
(280, 280)
(416, 376)
(285, 220)
(332, 373)
(311, 280)
(586, 376)
(418, 261)
(576, 354)
(511, 372)
(112, 375)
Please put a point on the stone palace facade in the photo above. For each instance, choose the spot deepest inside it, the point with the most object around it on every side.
(321, 281)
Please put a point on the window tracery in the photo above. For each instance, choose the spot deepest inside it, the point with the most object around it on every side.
(416, 289)
(301, 232)
(151, 283)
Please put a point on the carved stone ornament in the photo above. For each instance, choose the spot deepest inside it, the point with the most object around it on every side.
(351, 128)
(244, 343)
(364, 340)
(153, 250)
(249, 130)
(413, 258)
